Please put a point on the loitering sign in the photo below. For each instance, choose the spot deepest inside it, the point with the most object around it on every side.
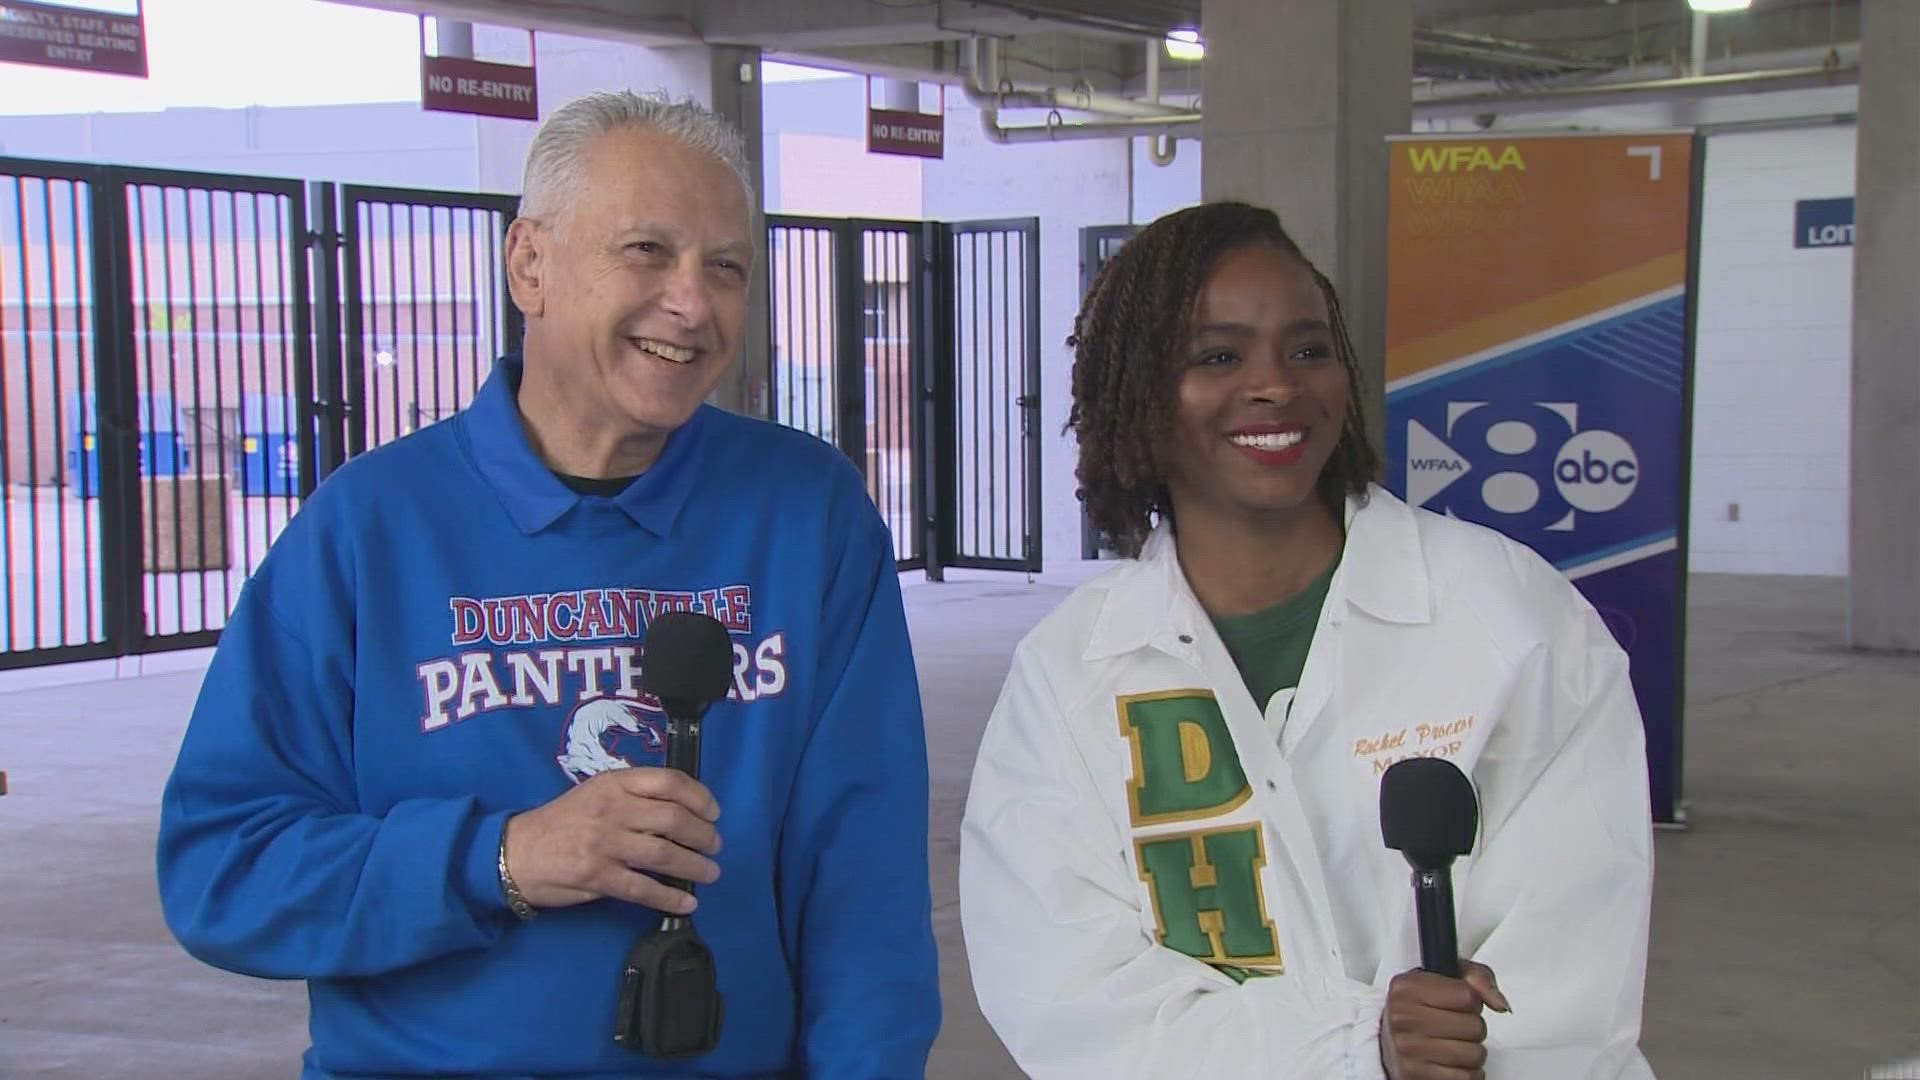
(1538, 355)
(77, 39)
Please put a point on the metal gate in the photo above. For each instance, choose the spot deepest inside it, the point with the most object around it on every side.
(182, 360)
(426, 306)
(914, 348)
(993, 510)
(1097, 245)
(849, 354)
(154, 350)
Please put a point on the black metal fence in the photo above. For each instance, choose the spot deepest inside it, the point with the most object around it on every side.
(220, 359)
(849, 354)
(47, 312)
(153, 347)
(1097, 245)
(182, 359)
(914, 348)
(994, 283)
(427, 310)
(184, 356)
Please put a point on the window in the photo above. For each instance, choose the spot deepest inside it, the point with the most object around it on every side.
(886, 311)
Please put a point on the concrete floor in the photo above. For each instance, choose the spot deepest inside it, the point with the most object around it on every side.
(1786, 939)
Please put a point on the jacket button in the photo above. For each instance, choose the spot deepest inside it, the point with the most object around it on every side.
(1186, 639)
(1271, 786)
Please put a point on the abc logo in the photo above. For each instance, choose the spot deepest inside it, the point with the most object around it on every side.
(1596, 471)
(1528, 465)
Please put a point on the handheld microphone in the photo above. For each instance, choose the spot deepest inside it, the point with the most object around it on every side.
(1429, 813)
(670, 1001)
(687, 665)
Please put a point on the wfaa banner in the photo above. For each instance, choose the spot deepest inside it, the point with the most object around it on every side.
(1538, 366)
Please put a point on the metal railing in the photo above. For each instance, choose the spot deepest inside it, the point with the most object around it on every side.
(185, 356)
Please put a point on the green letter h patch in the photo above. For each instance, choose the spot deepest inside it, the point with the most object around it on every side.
(1207, 897)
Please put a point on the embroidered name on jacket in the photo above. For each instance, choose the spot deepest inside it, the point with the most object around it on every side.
(587, 653)
(1208, 901)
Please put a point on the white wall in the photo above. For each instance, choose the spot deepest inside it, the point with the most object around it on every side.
(1159, 190)
(567, 67)
(1773, 359)
(397, 144)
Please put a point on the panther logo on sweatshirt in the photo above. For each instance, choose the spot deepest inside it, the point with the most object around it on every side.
(600, 732)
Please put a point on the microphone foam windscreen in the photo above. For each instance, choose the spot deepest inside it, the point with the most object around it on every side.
(688, 659)
(1428, 811)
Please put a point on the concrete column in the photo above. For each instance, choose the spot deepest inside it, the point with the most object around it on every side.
(571, 66)
(1299, 98)
(1883, 585)
(453, 38)
(736, 96)
(897, 94)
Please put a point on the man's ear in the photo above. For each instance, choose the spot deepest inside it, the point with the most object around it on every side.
(527, 268)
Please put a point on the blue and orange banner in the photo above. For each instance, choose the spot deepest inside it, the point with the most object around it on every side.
(1538, 356)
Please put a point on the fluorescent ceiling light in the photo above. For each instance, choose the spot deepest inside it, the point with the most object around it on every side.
(1185, 45)
(1713, 6)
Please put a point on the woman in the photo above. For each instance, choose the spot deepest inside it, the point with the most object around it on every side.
(1171, 862)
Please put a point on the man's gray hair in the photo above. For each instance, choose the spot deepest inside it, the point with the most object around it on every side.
(555, 160)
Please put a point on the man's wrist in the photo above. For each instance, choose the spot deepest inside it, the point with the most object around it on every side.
(515, 901)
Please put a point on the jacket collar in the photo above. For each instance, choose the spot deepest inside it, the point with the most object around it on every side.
(529, 491)
(1383, 572)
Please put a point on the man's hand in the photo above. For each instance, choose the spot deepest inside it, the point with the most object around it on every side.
(1431, 1028)
(604, 838)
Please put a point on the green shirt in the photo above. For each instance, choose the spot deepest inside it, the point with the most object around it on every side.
(1270, 646)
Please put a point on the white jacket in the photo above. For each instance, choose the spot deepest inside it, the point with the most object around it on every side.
(1438, 637)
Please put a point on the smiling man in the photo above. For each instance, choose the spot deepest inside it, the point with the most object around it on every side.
(422, 774)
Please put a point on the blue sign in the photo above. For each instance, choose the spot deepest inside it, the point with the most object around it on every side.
(1573, 444)
(1823, 223)
(1568, 443)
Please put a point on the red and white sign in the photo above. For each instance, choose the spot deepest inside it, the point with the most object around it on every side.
(73, 38)
(916, 134)
(480, 87)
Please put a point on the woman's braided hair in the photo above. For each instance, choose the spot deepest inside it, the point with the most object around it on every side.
(1128, 343)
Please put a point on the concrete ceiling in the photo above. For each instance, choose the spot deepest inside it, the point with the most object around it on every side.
(1101, 42)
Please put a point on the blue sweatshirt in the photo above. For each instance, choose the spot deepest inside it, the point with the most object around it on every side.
(445, 636)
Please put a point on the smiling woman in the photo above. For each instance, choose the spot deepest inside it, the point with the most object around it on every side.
(1202, 885)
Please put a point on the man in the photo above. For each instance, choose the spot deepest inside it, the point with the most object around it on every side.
(421, 774)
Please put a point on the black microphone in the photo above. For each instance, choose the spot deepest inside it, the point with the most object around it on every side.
(1429, 813)
(686, 665)
(670, 1001)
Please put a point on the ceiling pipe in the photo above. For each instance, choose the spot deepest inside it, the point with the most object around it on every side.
(997, 92)
(1558, 99)
(1691, 88)
(1153, 71)
(1701, 21)
(1160, 148)
(1060, 131)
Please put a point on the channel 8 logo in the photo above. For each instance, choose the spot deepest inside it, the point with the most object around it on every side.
(1521, 465)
